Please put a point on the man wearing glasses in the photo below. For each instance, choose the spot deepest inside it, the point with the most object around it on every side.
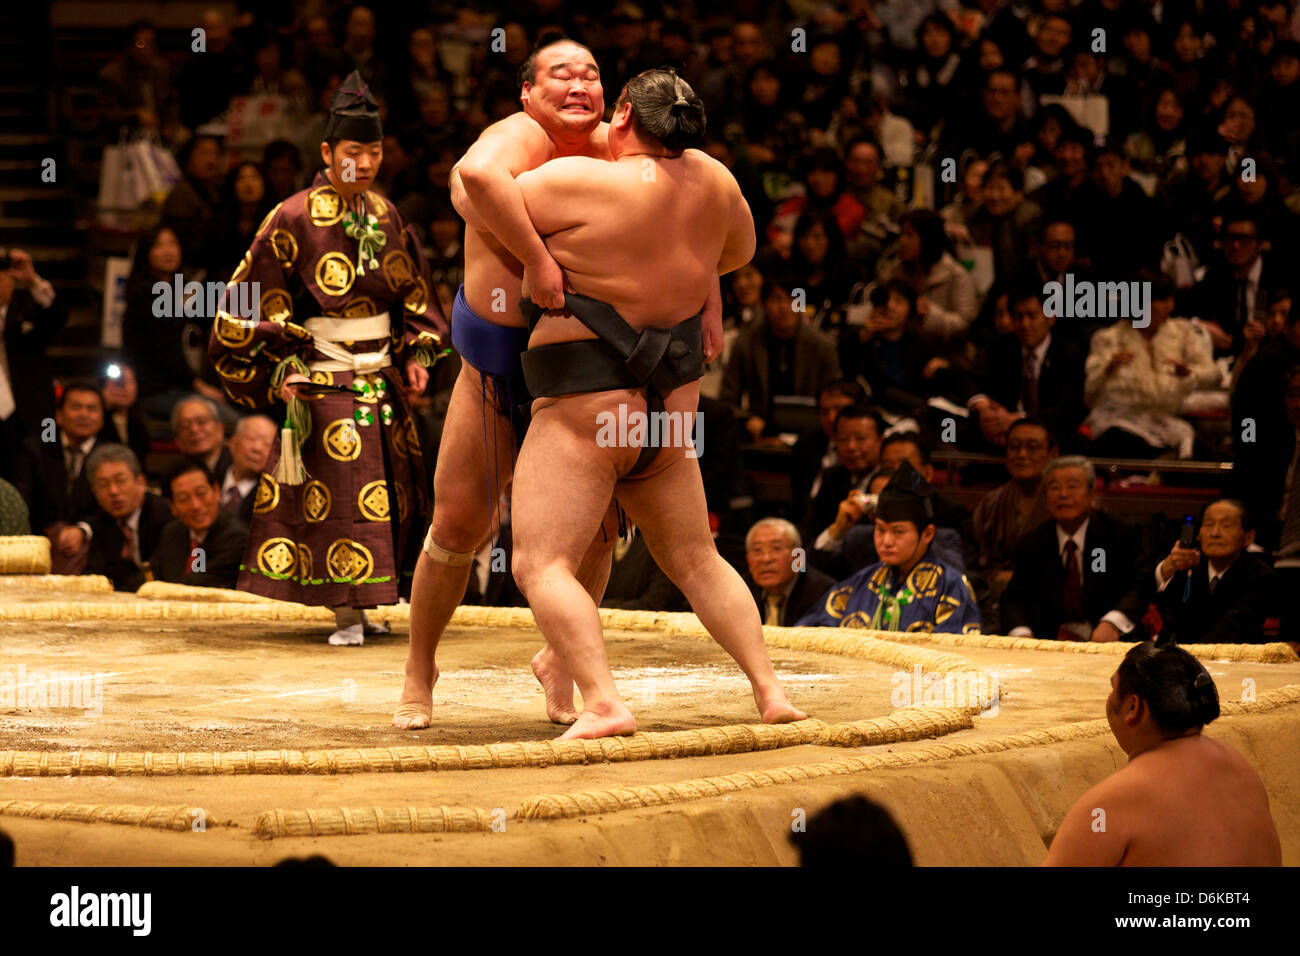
(1236, 286)
(1010, 510)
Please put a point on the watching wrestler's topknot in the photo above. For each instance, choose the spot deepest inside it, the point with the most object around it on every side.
(665, 108)
(1176, 687)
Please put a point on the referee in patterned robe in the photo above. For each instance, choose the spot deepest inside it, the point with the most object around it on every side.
(334, 302)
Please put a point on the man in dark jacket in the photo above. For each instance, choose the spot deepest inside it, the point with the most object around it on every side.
(778, 355)
(126, 528)
(1078, 575)
(1031, 371)
(30, 317)
(201, 545)
(50, 474)
(784, 586)
(859, 430)
(1221, 593)
(1238, 282)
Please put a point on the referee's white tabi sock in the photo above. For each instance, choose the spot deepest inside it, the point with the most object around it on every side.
(351, 635)
(351, 629)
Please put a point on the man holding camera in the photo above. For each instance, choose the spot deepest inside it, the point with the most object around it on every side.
(1219, 593)
(30, 316)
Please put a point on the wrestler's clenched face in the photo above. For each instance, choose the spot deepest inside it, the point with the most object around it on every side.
(565, 93)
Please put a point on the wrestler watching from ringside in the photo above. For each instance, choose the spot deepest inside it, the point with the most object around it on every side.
(1183, 799)
(681, 220)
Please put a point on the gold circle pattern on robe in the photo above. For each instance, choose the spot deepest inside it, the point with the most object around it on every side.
(372, 500)
(268, 495)
(324, 206)
(285, 247)
(349, 561)
(316, 501)
(341, 440)
(335, 273)
(277, 557)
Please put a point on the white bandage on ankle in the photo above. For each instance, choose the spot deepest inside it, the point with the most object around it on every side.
(453, 559)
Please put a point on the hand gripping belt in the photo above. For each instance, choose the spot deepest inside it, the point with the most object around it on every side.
(658, 360)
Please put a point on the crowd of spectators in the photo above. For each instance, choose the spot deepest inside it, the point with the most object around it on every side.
(919, 171)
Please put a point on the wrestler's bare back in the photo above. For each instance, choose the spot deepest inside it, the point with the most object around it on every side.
(522, 144)
(1191, 801)
(647, 235)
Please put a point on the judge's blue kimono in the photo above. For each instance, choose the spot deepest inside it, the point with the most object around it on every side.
(935, 597)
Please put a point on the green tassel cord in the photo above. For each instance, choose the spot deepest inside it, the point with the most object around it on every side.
(297, 425)
(889, 612)
(427, 349)
(364, 228)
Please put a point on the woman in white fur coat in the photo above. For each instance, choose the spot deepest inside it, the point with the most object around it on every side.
(1137, 379)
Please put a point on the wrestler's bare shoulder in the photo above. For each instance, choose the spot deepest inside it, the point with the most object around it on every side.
(707, 165)
(518, 140)
(598, 145)
(567, 167)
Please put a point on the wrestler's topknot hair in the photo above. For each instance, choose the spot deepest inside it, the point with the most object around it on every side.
(1175, 686)
(665, 108)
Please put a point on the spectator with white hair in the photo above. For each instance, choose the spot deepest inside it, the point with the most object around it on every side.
(1077, 575)
(197, 430)
(249, 447)
(783, 584)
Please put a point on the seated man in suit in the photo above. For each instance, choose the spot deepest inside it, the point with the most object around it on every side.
(1077, 575)
(783, 584)
(249, 447)
(1236, 284)
(1225, 597)
(1190, 800)
(201, 545)
(1011, 509)
(129, 522)
(124, 421)
(908, 590)
(51, 476)
(814, 452)
(858, 433)
(778, 355)
(197, 429)
(1030, 371)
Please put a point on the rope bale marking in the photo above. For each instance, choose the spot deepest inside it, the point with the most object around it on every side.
(368, 821)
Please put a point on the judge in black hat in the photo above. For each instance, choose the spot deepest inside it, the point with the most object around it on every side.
(342, 328)
(908, 589)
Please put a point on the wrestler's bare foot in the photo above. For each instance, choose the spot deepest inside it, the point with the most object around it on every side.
(774, 707)
(415, 712)
(602, 721)
(557, 682)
